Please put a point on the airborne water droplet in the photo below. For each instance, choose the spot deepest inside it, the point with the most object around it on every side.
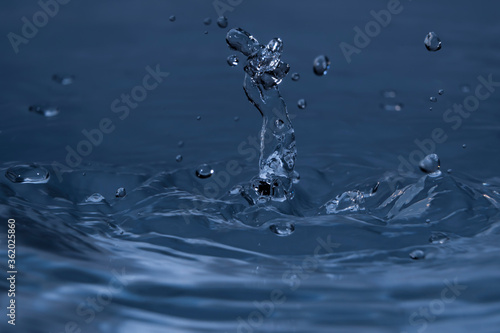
(222, 22)
(389, 94)
(392, 107)
(64, 80)
(120, 193)
(233, 60)
(27, 174)
(417, 254)
(207, 21)
(441, 91)
(172, 18)
(433, 99)
(178, 158)
(46, 111)
(302, 103)
(464, 146)
(204, 171)
(283, 229)
(430, 165)
(432, 42)
(321, 65)
(180, 143)
(198, 118)
(295, 76)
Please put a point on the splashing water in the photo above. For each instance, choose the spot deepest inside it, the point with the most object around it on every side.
(264, 71)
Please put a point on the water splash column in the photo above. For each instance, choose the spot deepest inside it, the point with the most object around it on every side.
(264, 71)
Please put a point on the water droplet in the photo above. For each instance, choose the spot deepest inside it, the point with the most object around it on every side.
(302, 103)
(180, 143)
(465, 88)
(204, 171)
(464, 146)
(222, 22)
(321, 65)
(236, 118)
(172, 18)
(441, 91)
(233, 60)
(350, 201)
(392, 107)
(207, 21)
(64, 80)
(432, 42)
(205, 32)
(430, 165)
(433, 99)
(449, 170)
(295, 76)
(120, 193)
(389, 94)
(178, 158)
(430, 109)
(438, 238)
(283, 229)
(417, 254)
(198, 118)
(27, 174)
(95, 198)
(46, 111)
(279, 123)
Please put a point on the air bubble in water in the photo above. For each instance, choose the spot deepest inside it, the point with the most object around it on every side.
(204, 171)
(282, 229)
(46, 111)
(417, 254)
(233, 60)
(321, 65)
(295, 76)
(178, 158)
(95, 198)
(222, 22)
(207, 21)
(432, 42)
(433, 99)
(441, 91)
(120, 193)
(172, 18)
(27, 174)
(430, 165)
(302, 103)
(64, 80)
(438, 238)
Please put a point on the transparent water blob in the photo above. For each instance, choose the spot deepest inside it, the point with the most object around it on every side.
(438, 238)
(233, 60)
(64, 80)
(389, 93)
(121, 192)
(432, 42)
(178, 158)
(222, 22)
(433, 99)
(95, 198)
(204, 171)
(392, 106)
(302, 104)
(321, 65)
(430, 164)
(27, 174)
(207, 21)
(46, 111)
(417, 254)
(295, 76)
(282, 229)
(441, 91)
(172, 18)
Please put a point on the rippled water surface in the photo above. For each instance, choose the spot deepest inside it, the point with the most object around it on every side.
(129, 210)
